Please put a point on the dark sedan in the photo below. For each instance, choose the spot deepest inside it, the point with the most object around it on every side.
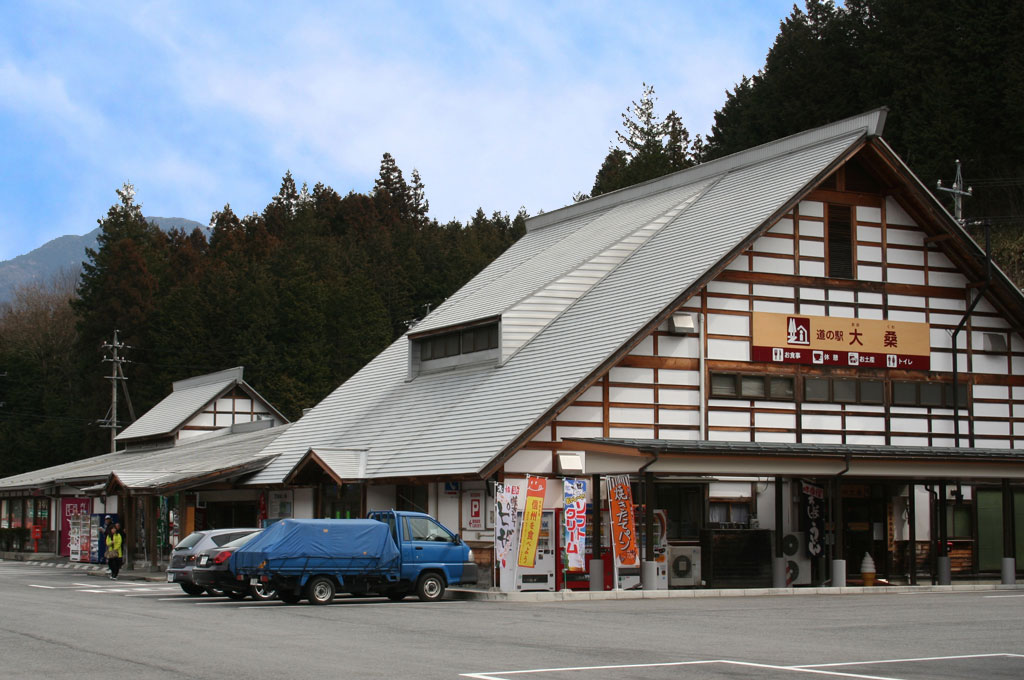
(211, 572)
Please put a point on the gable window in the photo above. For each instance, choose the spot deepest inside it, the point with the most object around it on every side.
(840, 242)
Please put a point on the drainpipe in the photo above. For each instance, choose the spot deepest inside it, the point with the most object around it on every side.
(649, 567)
(838, 559)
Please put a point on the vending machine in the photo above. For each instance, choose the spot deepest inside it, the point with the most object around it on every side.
(541, 576)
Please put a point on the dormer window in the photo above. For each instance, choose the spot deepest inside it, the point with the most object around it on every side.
(459, 342)
(457, 347)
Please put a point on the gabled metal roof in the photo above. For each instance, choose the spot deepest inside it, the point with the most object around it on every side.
(194, 461)
(461, 421)
(187, 398)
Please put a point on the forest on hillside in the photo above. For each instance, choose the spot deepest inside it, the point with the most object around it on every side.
(306, 292)
(302, 295)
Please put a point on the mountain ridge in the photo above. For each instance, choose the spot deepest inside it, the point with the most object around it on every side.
(65, 252)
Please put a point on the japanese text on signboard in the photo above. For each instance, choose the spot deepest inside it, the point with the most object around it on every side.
(532, 510)
(620, 506)
(575, 512)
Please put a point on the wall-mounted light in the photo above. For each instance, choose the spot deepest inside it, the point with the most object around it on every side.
(682, 323)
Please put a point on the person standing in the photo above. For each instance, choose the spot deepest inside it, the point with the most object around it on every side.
(114, 554)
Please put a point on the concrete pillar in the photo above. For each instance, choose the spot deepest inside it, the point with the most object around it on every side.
(779, 560)
(943, 565)
(596, 574)
(1009, 571)
(779, 572)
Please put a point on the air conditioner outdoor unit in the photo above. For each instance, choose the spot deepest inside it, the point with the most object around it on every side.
(683, 566)
(798, 564)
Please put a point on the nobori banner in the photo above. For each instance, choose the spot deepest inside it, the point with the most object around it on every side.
(840, 341)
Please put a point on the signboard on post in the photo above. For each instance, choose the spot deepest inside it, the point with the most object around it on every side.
(620, 506)
(532, 510)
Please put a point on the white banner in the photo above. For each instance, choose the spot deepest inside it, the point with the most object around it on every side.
(575, 513)
(506, 539)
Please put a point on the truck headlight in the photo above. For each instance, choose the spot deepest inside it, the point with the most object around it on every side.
(469, 555)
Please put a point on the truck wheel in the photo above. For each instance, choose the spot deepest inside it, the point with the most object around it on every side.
(192, 589)
(288, 597)
(430, 588)
(262, 592)
(320, 590)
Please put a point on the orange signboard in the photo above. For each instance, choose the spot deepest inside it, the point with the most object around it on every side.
(620, 507)
(840, 341)
(533, 508)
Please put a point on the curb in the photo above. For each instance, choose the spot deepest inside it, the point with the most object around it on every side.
(587, 596)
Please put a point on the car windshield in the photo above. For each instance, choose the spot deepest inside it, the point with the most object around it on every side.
(220, 540)
(190, 541)
(242, 540)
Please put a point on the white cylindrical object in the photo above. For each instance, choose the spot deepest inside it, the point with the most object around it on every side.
(649, 575)
(838, 573)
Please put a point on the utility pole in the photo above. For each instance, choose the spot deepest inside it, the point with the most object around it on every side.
(116, 376)
(958, 193)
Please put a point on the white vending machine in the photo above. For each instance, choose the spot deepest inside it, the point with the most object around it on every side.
(541, 576)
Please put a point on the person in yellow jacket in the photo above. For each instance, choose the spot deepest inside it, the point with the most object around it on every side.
(115, 556)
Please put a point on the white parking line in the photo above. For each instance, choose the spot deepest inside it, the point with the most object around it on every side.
(995, 596)
(815, 669)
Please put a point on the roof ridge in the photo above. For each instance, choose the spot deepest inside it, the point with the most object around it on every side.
(871, 122)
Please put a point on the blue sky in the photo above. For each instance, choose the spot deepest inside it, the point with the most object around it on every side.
(198, 104)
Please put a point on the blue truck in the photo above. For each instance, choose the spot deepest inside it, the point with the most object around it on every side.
(392, 553)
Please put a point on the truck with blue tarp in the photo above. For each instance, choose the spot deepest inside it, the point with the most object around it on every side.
(392, 553)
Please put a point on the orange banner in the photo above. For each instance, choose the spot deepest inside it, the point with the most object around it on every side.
(620, 506)
(532, 510)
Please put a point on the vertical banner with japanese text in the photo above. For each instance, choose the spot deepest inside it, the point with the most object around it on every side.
(506, 509)
(533, 508)
(812, 498)
(620, 507)
(575, 513)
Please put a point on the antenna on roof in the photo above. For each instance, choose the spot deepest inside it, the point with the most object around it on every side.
(958, 193)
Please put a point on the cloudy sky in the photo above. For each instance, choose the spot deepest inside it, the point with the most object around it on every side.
(198, 104)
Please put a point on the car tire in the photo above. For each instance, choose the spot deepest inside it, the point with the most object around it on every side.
(430, 587)
(397, 596)
(236, 594)
(320, 590)
(288, 597)
(262, 592)
(192, 589)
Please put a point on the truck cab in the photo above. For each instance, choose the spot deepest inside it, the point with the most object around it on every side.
(432, 556)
